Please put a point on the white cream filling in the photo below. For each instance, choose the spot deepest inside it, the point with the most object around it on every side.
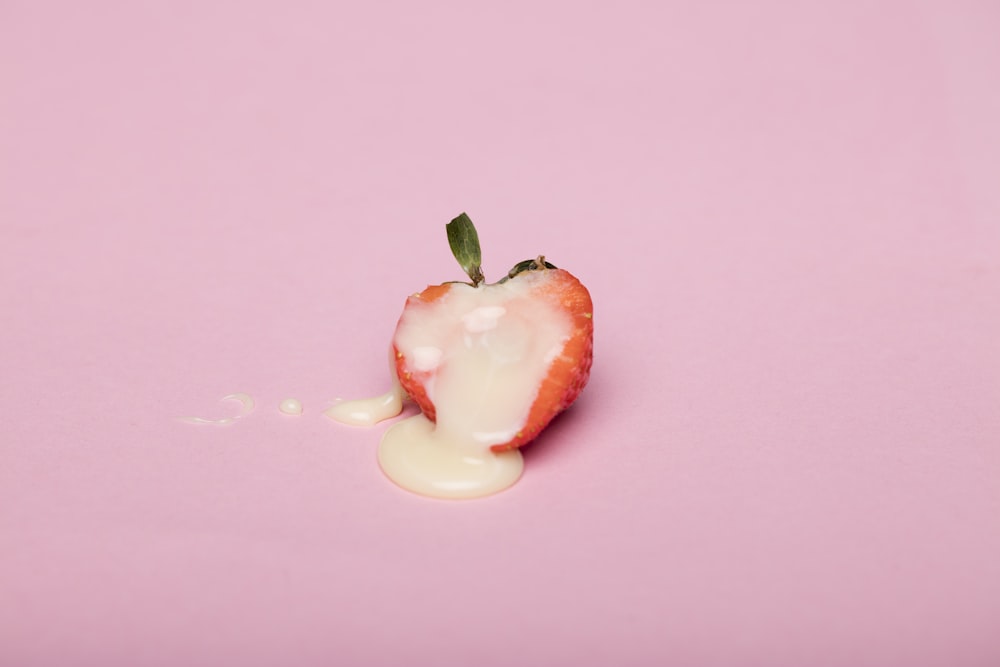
(492, 347)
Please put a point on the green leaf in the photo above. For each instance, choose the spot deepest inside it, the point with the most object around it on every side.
(464, 242)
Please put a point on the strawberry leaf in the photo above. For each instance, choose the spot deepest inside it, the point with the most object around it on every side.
(464, 242)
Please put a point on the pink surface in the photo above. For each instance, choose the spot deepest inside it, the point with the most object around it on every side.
(789, 219)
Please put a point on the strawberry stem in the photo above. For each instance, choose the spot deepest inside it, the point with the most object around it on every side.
(537, 264)
(464, 243)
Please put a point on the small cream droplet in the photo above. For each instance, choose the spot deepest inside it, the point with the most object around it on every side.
(291, 406)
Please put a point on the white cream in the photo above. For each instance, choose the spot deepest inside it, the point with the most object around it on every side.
(246, 402)
(367, 411)
(370, 411)
(414, 455)
(291, 406)
(496, 347)
(490, 347)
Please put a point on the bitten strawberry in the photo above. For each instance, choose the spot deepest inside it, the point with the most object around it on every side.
(521, 347)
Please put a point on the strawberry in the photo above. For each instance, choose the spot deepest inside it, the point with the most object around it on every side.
(522, 346)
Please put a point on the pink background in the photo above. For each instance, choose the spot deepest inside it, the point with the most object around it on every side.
(788, 215)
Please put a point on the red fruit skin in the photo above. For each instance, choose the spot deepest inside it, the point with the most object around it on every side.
(567, 375)
(413, 383)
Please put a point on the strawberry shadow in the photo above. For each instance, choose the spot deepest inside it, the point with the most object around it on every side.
(564, 434)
